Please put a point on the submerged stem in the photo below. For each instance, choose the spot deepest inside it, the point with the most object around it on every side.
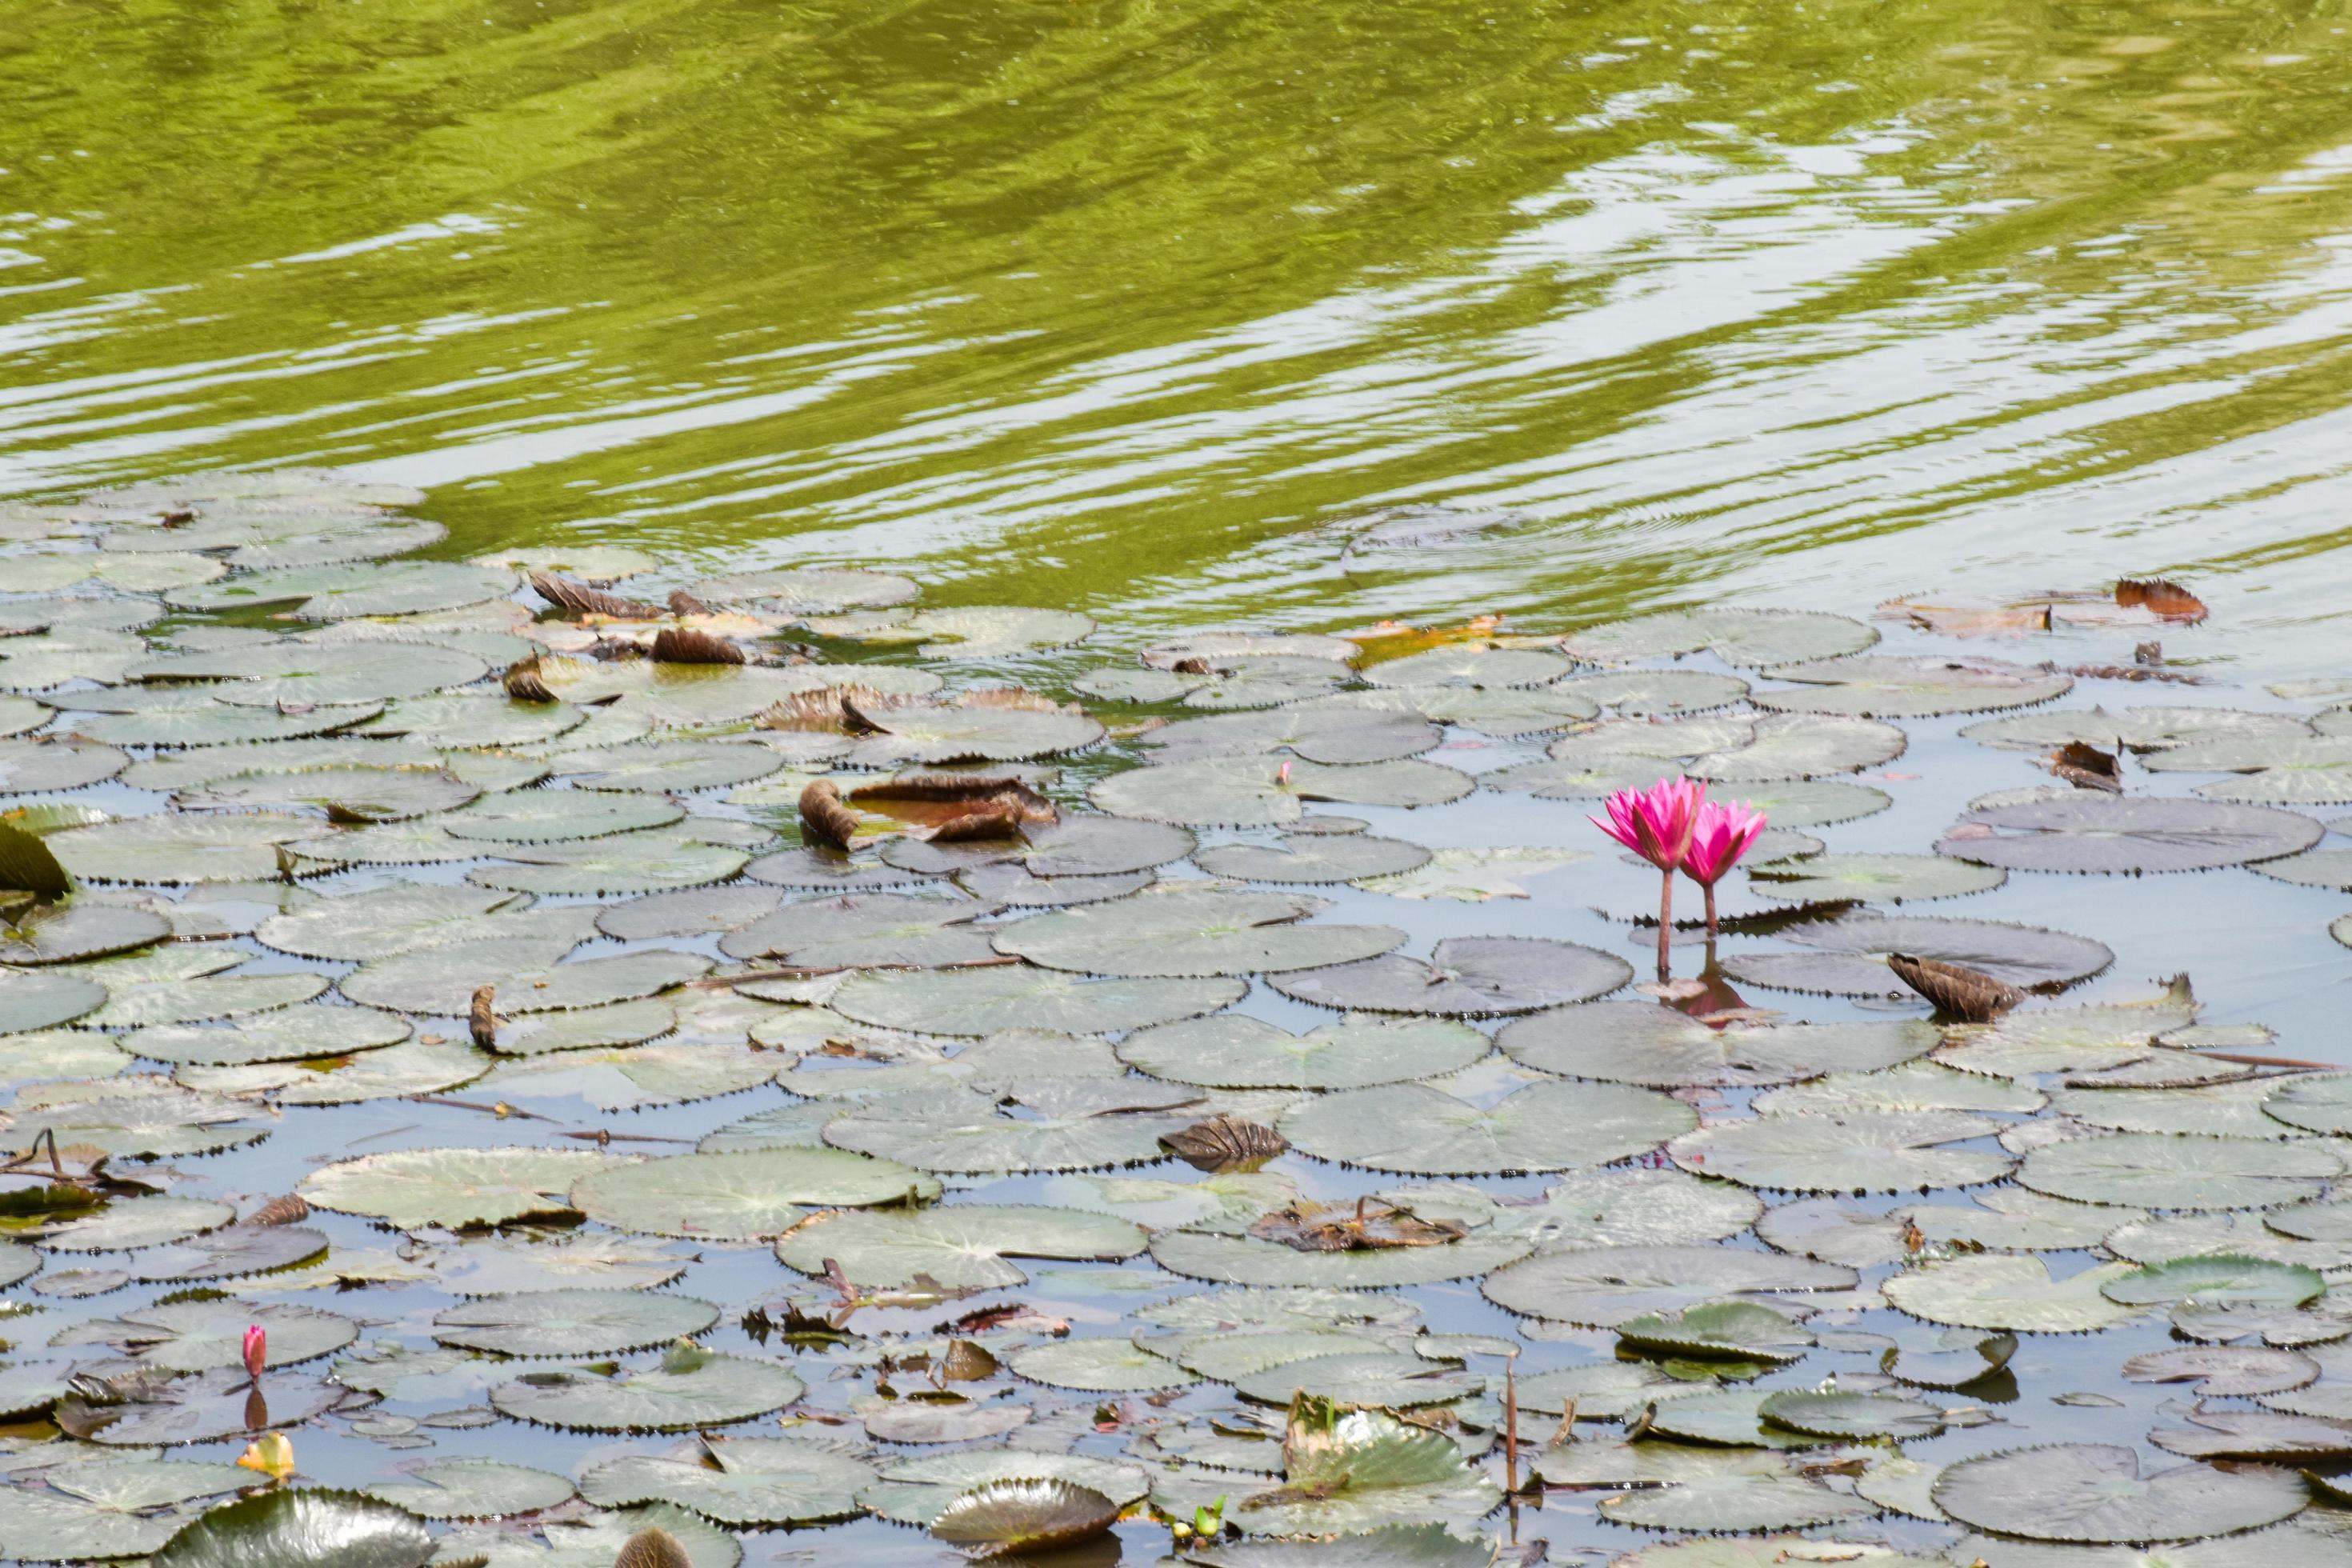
(1665, 919)
(1712, 930)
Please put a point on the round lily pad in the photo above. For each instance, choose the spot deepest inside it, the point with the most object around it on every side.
(1604, 1287)
(1736, 637)
(1466, 977)
(748, 1197)
(2180, 1173)
(1646, 693)
(1264, 791)
(556, 815)
(1730, 1331)
(1993, 1290)
(2092, 1492)
(1235, 1052)
(434, 980)
(1870, 878)
(1886, 686)
(1847, 955)
(961, 1246)
(31, 1000)
(178, 850)
(2087, 832)
(1641, 1042)
(133, 1116)
(1071, 1124)
(1318, 732)
(1312, 858)
(291, 1034)
(2218, 1280)
(984, 1000)
(77, 928)
(473, 1488)
(1102, 1365)
(313, 1527)
(1414, 1128)
(410, 1189)
(617, 863)
(689, 1388)
(1180, 931)
(865, 928)
(1883, 1151)
(571, 1321)
(1247, 1260)
(744, 1481)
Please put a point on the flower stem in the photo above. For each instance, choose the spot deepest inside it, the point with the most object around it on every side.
(1712, 930)
(1665, 919)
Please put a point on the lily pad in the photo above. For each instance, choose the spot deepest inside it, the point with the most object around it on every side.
(1870, 878)
(1236, 1052)
(1314, 859)
(1263, 792)
(310, 1527)
(690, 1388)
(1466, 977)
(291, 1034)
(571, 1321)
(963, 1247)
(1886, 1151)
(1847, 955)
(1099, 1364)
(1318, 732)
(1993, 1290)
(1891, 687)
(983, 1001)
(1247, 1260)
(747, 1197)
(743, 1481)
(556, 815)
(1730, 1331)
(1414, 1128)
(473, 1488)
(2092, 1492)
(1736, 637)
(2218, 1280)
(1609, 1286)
(1181, 931)
(2180, 1172)
(2087, 832)
(1641, 1042)
(410, 1189)
(1677, 1486)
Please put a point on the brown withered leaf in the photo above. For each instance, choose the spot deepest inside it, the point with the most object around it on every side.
(2161, 597)
(582, 600)
(524, 684)
(965, 792)
(992, 818)
(653, 1548)
(824, 820)
(2086, 766)
(967, 1361)
(1969, 620)
(1964, 992)
(678, 645)
(480, 1021)
(1367, 1226)
(1226, 1143)
(818, 712)
(611, 648)
(291, 1209)
(1015, 698)
(683, 603)
(2148, 653)
(2131, 672)
(1385, 640)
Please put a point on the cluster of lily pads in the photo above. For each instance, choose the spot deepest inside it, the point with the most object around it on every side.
(1389, 1253)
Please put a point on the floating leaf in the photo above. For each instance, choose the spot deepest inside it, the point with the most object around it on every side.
(1889, 686)
(962, 1247)
(2166, 1172)
(1870, 878)
(691, 1388)
(2094, 833)
(1994, 1292)
(309, 1528)
(1608, 1286)
(1886, 1151)
(2081, 1491)
(473, 1488)
(1641, 1042)
(571, 1321)
(1414, 1128)
(1314, 859)
(1466, 977)
(2217, 1279)
(747, 1197)
(1736, 637)
(410, 1189)
(1848, 955)
(1182, 931)
(1237, 1052)
(1247, 1260)
(1260, 792)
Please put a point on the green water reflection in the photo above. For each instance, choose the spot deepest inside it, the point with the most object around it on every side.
(1114, 305)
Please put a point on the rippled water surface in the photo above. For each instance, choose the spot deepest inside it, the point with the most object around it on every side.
(1112, 305)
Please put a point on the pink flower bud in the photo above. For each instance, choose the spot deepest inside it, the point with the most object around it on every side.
(257, 1350)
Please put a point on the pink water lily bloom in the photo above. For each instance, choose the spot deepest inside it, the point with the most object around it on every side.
(1723, 832)
(1656, 824)
(256, 1351)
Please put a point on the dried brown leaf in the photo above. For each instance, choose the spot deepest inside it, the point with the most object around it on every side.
(480, 1019)
(678, 644)
(523, 682)
(582, 600)
(2086, 766)
(653, 1548)
(2161, 597)
(683, 603)
(1225, 1143)
(967, 1361)
(990, 819)
(1970, 620)
(1368, 1224)
(1964, 992)
(291, 1209)
(824, 820)
(975, 789)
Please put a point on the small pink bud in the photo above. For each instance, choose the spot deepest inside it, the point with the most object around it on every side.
(1283, 777)
(256, 1351)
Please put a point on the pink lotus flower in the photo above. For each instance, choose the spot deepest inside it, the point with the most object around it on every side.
(1721, 835)
(1656, 824)
(256, 1351)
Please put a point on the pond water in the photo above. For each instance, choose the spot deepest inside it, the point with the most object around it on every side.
(1141, 312)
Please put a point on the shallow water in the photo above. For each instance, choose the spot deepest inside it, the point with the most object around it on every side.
(1123, 308)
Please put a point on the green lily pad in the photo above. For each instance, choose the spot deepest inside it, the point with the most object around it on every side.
(411, 1189)
(2090, 1492)
(2083, 831)
(1235, 1052)
(690, 1388)
(1609, 1286)
(1870, 878)
(1736, 637)
(1466, 977)
(134, 1116)
(310, 1527)
(1890, 687)
(1846, 956)
(1316, 857)
(179, 850)
(473, 1488)
(1417, 1129)
(1677, 1485)
(983, 1001)
(556, 815)
(291, 1034)
(1641, 1042)
(1099, 1364)
(746, 1197)
(744, 1481)
(2180, 1172)
(571, 1321)
(1266, 792)
(1883, 1151)
(1711, 1331)
(1998, 1291)
(962, 1246)
(2218, 1280)
(1247, 1260)
(1175, 932)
